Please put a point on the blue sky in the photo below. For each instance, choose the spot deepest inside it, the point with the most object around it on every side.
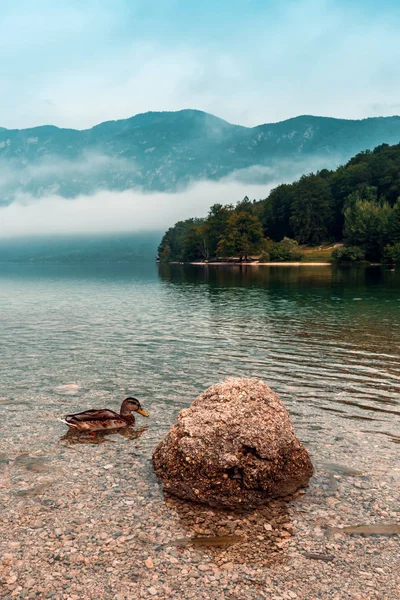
(74, 63)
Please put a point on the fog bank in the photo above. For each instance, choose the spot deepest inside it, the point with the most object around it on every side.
(49, 212)
(111, 212)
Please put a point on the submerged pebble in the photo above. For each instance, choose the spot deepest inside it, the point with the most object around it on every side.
(69, 389)
(380, 529)
(34, 491)
(343, 469)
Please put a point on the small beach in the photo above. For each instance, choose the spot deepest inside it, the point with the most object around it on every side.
(262, 264)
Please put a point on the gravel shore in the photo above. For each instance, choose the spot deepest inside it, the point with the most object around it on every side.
(86, 519)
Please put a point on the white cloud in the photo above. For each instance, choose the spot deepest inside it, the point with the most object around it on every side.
(15, 173)
(107, 212)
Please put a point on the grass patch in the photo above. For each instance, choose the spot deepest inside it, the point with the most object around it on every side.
(321, 253)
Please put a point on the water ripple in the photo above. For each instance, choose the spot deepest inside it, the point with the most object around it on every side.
(327, 342)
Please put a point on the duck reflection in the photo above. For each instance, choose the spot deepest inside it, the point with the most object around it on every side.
(73, 436)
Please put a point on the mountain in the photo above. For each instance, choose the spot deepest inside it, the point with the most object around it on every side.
(165, 151)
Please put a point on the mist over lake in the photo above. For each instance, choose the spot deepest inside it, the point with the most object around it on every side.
(104, 248)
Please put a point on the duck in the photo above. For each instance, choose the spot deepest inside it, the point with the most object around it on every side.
(104, 419)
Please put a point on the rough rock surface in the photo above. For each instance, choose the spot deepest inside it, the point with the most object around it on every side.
(234, 447)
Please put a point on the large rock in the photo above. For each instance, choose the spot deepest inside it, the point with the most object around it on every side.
(234, 447)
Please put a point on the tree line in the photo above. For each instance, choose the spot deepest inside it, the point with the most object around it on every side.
(358, 203)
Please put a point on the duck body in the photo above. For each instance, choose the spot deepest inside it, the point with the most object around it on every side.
(104, 419)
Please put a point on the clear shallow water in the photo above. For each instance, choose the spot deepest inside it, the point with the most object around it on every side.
(327, 340)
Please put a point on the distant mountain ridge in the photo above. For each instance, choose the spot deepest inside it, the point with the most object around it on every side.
(165, 151)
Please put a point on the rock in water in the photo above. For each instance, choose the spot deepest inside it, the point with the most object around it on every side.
(234, 447)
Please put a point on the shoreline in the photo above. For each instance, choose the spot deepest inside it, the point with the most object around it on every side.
(256, 264)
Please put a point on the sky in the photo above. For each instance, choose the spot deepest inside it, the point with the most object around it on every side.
(74, 64)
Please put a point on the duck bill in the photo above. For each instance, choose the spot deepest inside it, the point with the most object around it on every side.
(142, 412)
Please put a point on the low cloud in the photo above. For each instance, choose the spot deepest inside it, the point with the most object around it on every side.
(50, 212)
(286, 170)
(61, 176)
(107, 212)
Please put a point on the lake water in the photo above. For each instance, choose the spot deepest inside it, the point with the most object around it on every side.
(326, 339)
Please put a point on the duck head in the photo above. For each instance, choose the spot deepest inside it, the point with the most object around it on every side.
(131, 405)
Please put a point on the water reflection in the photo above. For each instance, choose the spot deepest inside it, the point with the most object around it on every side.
(74, 437)
(326, 339)
(261, 276)
(333, 333)
(36, 464)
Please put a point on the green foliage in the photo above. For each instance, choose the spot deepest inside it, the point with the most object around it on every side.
(312, 209)
(350, 178)
(366, 193)
(216, 225)
(286, 250)
(264, 256)
(245, 205)
(348, 254)
(195, 244)
(357, 202)
(165, 253)
(173, 241)
(395, 223)
(277, 212)
(367, 225)
(391, 253)
(244, 235)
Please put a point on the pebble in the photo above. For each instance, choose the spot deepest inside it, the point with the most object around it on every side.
(152, 591)
(149, 563)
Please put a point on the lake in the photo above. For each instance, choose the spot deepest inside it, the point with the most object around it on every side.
(79, 336)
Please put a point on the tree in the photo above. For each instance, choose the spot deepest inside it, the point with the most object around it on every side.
(216, 225)
(174, 238)
(245, 205)
(286, 250)
(395, 223)
(351, 177)
(195, 246)
(312, 210)
(367, 225)
(365, 193)
(391, 253)
(348, 254)
(277, 212)
(244, 236)
(165, 253)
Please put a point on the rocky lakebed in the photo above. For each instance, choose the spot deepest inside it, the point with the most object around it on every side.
(87, 518)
